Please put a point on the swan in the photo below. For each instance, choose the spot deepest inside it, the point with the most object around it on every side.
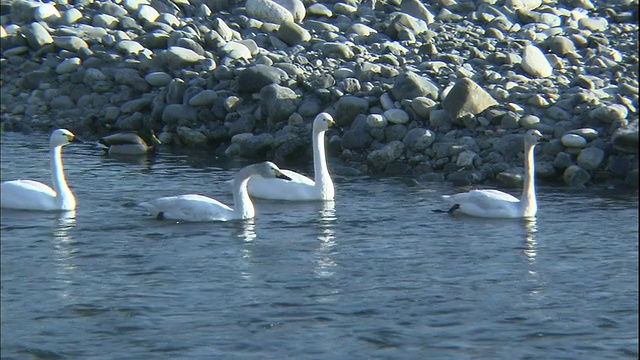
(34, 195)
(497, 204)
(129, 143)
(194, 207)
(301, 187)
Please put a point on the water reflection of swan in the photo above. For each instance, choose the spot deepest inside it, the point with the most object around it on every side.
(530, 252)
(65, 252)
(62, 238)
(326, 235)
(245, 231)
(530, 239)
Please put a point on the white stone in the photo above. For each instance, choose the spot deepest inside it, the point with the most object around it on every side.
(396, 116)
(376, 121)
(68, 65)
(319, 10)
(105, 21)
(203, 98)
(465, 158)
(158, 78)
(573, 141)
(386, 101)
(129, 47)
(147, 13)
(236, 50)
(295, 7)
(268, 10)
(535, 63)
(133, 5)
(47, 12)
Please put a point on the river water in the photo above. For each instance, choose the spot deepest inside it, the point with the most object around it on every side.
(375, 274)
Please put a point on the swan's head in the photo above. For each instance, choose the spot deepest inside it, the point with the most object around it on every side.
(150, 137)
(532, 137)
(61, 137)
(268, 169)
(323, 122)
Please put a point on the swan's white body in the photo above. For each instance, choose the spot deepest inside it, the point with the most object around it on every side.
(36, 196)
(194, 207)
(301, 187)
(128, 143)
(497, 204)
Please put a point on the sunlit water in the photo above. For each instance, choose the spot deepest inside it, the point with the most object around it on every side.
(376, 274)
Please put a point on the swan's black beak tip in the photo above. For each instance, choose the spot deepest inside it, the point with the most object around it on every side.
(283, 177)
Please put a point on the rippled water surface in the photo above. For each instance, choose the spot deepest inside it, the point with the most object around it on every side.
(376, 274)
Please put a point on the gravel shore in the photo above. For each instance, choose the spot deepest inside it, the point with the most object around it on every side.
(442, 90)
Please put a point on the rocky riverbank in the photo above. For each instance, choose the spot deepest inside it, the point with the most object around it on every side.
(442, 91)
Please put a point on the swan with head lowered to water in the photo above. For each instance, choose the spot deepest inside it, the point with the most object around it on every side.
(301, 187)
(194, 207)
(34, 195)
(497, 204)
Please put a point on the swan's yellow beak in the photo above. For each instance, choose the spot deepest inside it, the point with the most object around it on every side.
(332, 124)
(74, 139)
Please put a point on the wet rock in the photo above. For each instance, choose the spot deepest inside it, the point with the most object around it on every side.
(576, 176)
(255, 146)
(625, 139)
(347, 108)
(409, 85)
(190, 137)
(379, 159)
(609, 113)
(591, 158)
(254, 78)
(37, 36)
(278, 103)
(419, 139)
(467, 98)
(563, 160)
(292, 33)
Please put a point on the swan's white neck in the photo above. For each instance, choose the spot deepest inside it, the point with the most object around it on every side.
(242, 205)
(323, 181)
(528, 201)
(64, 197)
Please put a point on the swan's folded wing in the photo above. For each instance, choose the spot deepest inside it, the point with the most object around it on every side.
(299, 187)
(492, 195)
(486, 203)
(188, 208)
(27, 195)
(296, 178)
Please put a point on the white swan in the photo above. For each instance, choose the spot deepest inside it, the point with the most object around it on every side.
(129, 143)
(201, 208)
(301, 187)
(497, 204)
(34, 195)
